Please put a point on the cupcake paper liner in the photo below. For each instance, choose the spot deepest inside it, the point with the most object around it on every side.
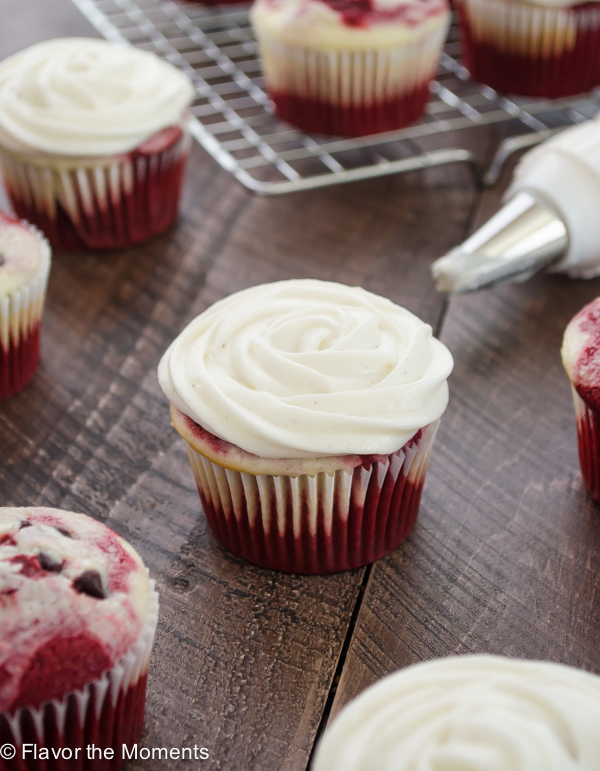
(529, 50)
(108, 713)
(588, 436)
(350, 93)
(20, 319)
(100, 203)
(320, 523)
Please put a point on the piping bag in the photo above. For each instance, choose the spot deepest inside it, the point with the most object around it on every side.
(550, 219)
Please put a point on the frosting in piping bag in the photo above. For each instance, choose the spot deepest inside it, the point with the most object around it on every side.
(306, 368)
(80, 96)
(473, 713)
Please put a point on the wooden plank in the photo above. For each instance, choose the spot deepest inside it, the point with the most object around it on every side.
(244, 658)
(504, 558)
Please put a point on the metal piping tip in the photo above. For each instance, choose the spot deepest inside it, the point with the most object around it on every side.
(522, 238)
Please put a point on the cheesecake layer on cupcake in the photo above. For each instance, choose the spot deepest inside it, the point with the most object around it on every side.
(93, 140)
(350, 67)
(309, 409)
(469, 712)
(24, 269)
(546, 48)
(79, 615)
(581, 359)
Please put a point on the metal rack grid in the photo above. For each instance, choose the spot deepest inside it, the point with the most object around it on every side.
(234, 122)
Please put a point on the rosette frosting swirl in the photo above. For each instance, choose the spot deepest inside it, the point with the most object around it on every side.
(80, 96)
(473, 713)
(306, 368)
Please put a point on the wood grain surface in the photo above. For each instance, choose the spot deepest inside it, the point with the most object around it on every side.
(249, 663)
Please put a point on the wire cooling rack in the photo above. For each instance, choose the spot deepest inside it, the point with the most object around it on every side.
(234, 122)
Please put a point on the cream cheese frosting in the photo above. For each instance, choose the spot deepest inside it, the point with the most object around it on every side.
(307, 368)
(481, 713)
(63, 577)
(315, 24)
(87, 97)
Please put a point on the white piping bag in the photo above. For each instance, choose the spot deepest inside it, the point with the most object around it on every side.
(551, 219)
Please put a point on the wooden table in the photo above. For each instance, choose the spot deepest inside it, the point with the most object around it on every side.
(252, 664)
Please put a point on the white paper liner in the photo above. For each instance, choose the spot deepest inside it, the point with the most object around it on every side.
(96, 193)
(528, 29)
(124, 674)
(22, 309)
(350, 78)
(277, 511)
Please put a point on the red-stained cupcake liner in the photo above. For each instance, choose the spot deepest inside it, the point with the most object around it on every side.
(588, 436)
(321, 523)
(107, 713)
(321, 117)
(529, 50)
(101, 203)
(350, 93)
(20, 318)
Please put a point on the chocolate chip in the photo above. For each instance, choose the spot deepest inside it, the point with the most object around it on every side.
(90, 583)
(62, 531)
(47, 563)
(25, 523)
(2, 260)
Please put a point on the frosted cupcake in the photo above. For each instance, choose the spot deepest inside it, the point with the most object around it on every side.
(93, 141)
(309, 409)
(78, 621)
(470, 713)
(24, 269)
(350, 67)
(581, 359)
(547, 48)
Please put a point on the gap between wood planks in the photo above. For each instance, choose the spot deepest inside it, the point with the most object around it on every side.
(483, 200)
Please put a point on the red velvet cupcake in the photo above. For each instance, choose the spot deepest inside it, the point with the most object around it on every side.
(309, 409)
(93, 141)
(581, 359)
(350, 67)
(79, 616)
(24, 269)
(538, 48)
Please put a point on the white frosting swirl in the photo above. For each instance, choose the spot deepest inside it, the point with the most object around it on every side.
(305, 369)
(80, 96)
(471, 713)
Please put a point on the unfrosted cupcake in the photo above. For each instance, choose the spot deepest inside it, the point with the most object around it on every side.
(350, 67)
(581, 359)
(78, 621)
(93, 141)
(470, 713)
(309, 409)
(24, 269)
(547, 48)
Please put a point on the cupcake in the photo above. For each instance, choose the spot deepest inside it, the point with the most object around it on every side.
(581, 359)
(309, 410)
(93, 141)
(24, 268)
(78, 621)
(350, 67)
(470, 713)
(547, 48)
